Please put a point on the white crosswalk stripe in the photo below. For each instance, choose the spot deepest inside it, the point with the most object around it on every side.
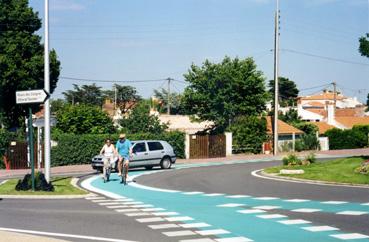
(271, 216)
(165, 213)
(212, 232)
(238, 196)
(234, 239)
(150, 220)
(250, 211)
(118, 206)
(306, 210)
(198, 240)
(213, 194)
(334, 202)
(266, 207)
(179, 233)
(126, 210)
(297, 200)
(152, 209)
(163, 226)
(184, 218)
(138, 214)
(294, 221)
(350, 236)
(265, 198)
(195, 225)
(320, 228)
(192, 193)
(354, 213)
(142, 206)
(231, 205)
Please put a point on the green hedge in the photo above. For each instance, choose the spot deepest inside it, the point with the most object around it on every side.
(346, 139)
(5, 138)
(79, 149)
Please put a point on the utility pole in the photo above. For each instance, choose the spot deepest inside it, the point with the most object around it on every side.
(47, 89)
(334, 94)
(276, 91)
(169, 79)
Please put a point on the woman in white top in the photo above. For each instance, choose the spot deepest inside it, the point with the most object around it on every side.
(110, 153)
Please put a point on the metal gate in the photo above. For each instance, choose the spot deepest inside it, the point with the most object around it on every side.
(207, 146)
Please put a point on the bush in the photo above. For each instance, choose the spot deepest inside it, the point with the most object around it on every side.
(363, 129)
(311, 158)
(346, 139)
(40, 183)
(364, 168)
(79, 149)
(249, 132)
(291, 160)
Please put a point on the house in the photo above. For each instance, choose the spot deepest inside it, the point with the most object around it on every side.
(287, 134)
(183, 123)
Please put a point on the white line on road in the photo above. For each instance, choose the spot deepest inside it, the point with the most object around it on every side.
(63, 235)
(294, 221)
(250, 211)
(179, 233)
(165, 213)
(320, 228)
(238, 196)
(354, 213)
(214, 194)
(126, 210)
(152, 209)
(306, 210)
(212, 232)
(192, 193)
(172, 219)
(350, 236)
(265, 198)
(234, 239)
(142, 206)
(271, 216)
(231, 205)
(297, 200)
(163, 226)
(119, 206)
(266, 207)
(198, 240)
(334, 202)
(149, 220)
(137, 214)
(195, 225)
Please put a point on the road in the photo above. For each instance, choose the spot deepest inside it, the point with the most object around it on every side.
(200, 203)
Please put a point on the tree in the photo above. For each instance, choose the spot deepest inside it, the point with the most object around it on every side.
(86, 94)
(127, 97)
(220, 92)
(364, 45)
(84, 119)
(288, 91)
(140, 120)
(290, 117)
(21, 59)
(367, 100)
(57, 104)
(175, 102)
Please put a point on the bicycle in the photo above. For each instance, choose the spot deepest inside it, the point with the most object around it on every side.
(107, 168)
(125, 168)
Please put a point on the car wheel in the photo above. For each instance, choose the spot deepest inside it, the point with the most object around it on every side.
(165, 163)
(148, 167)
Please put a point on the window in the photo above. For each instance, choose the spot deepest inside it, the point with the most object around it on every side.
(139, 147)
(155, 146)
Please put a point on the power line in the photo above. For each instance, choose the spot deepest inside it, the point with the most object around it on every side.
(324, 57)
(109, 81)
(315, 87)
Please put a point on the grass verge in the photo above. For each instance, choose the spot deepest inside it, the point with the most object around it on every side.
(340, 170)
(62, 186)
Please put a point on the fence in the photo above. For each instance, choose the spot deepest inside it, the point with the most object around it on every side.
(207, 146)
(16, 156)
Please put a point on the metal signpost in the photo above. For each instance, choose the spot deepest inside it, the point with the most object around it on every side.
(29, 97)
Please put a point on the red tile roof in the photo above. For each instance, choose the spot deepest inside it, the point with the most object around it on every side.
(283, 128)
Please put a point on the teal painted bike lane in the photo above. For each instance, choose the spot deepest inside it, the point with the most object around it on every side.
(234, 214)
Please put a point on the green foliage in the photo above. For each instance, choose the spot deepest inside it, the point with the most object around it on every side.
(364, 129)
(140, 121)
(220, 92)
(86, 94)
(249, 133)
(364, 45)
(288, 91)
(176, 106)
(290, 117)
(21, 59)
(127, 97)
(308, 128)
(79, 149)
(5, 138)
(83, 119)
(57, 104)
(311, 158)
(363, 168)
(346, 139)
(291, 160)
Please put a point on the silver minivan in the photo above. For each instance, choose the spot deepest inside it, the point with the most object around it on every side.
(146, 153)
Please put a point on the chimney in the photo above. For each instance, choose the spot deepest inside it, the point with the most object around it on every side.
(330, 115)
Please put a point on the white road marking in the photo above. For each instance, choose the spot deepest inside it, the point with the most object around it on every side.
(124, 200)
(306, 210)
(94, 198)
(192, 193)
(250, 211)
(118, 206)
(266, 207)
(334, 202)
(165, 213)
(150, 220)
(172, 219)
(101, 201)
(109, 203)
(137, 214)
(271, 216)
(63, 235)
(178, 233)
(265, 198)
(297, 200)
(231, 205)
(350, 236)
(198, 240)
(132, 203)
(142, 206)
(152, 209)
(126, 210)
(365, 204)
(234, 239)
(355, 213)
(212, 232)
(195, 225)
(294, 221)
(320, 228)
(163, 226)
(238, 196)
(213, 194)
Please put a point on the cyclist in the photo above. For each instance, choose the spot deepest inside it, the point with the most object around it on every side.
(124, 148)
(109, 152)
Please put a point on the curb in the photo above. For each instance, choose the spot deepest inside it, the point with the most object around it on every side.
(262, 174)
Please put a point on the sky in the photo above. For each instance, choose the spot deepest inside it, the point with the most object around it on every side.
(147, 40)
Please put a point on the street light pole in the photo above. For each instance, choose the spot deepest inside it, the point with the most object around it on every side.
(47, 89)
(276, 91)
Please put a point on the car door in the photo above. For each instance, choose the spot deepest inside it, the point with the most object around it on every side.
(140, 155)
(156, 152)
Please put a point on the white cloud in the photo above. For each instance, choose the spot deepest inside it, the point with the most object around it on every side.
(66, 5)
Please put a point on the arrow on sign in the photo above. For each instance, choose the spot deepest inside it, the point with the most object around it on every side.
(31, 96)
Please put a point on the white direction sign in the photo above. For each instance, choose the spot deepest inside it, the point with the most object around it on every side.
(31, 96)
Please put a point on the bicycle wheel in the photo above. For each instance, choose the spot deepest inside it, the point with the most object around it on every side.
(124, 177)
